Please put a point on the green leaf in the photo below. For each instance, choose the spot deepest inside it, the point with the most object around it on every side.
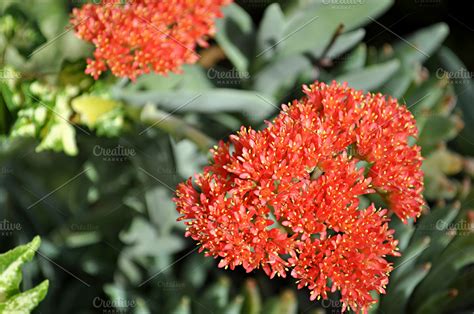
(279, 77)
(161, 208)
(434, 222)
(60, 137)
(354, 61)
(234, 307)
(235, 35)
(408, 259)
(217, 295)
(342, 44)
(437, 166)
(371, 77)
(398, 294)
(434, 303)
(312, 26)
(270, 31)
(91, 108)
(465, 94)
(403, 232)
(288, 302)
(11, 299)
(7, 92)
(457, 255)
(195, 269)
(416, 48)
(184, 307)
(437, 129)
(26, 35)
(142, 233)
(425, 97)
(72, 73)
(193, 77)
(25, 302)
(419, 46)
(256, 107)
(436, 225)
(6, 118)
(253, 300)
(81, 239)
(465, 291)
(188, 160)
(10, 267)
(59, 134)
(398, 84)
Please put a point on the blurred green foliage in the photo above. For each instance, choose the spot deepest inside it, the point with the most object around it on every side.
(92, 166)
(11, 299)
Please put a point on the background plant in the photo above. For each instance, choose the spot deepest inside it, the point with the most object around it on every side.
(102, 201)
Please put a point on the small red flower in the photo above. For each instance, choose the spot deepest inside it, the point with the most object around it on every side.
(288, 196)
(135, 37)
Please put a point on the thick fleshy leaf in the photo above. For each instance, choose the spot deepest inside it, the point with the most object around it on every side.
(421, 45)
(353, 61)
(371, 77)
(464, 87)
(437, 129)
(270, 31)
(398, 294)
(235, 35)
(404, 263)
(318, 21)
(342, 44)
(400, 82)
(184, 307)
(457, 255)
(255, 106)
(279, 77)
(253, 300)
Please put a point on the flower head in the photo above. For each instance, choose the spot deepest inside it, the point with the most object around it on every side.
(139, 36)
(288, 197)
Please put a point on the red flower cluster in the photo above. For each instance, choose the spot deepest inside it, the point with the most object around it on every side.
(133, 37)
(288, 196)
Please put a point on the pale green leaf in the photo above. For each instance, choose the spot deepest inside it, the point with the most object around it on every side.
(370, 77)
(317, 23)
(235, 35)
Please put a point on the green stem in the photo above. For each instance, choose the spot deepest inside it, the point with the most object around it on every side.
(175, 126)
